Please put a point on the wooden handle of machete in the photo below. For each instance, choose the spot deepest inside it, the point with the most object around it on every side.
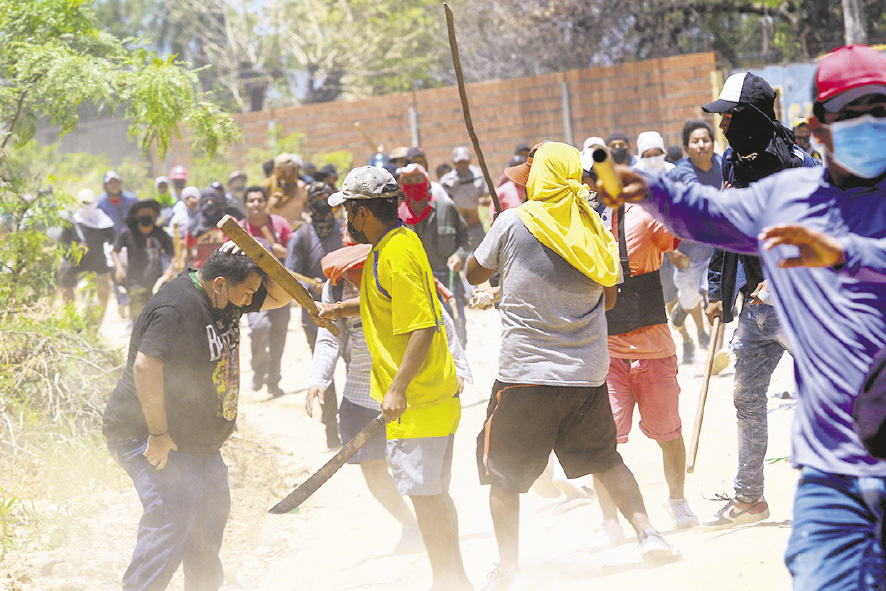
(703, 396)
(271, 266)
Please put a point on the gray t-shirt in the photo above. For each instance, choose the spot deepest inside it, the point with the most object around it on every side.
(553, 319)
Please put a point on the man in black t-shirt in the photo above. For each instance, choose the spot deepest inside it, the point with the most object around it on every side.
(175, 406)
(145, 243)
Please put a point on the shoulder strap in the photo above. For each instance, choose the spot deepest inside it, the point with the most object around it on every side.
(622, 243)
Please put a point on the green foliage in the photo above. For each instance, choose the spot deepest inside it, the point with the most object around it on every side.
(341, 159)
(29, 256)
(8, 504)
(54, 58)
(277, 144)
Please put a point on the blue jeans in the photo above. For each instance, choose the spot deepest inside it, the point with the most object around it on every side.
(186, 507)
(758, 344)
(837, 538)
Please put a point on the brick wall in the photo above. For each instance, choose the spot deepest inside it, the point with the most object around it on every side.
(657, 94)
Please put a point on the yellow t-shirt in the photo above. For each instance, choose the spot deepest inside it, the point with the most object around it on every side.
(397, 297)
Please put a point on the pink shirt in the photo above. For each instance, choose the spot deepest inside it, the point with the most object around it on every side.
(279, 226)
(510, 195)
(647, 241)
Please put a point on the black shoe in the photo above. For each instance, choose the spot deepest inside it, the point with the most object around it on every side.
(333, 441)
(275, 391)
(257, 386)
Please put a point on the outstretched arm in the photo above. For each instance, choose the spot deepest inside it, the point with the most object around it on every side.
(728, 219)
(853, 255)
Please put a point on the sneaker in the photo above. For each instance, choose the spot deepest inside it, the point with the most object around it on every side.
(609, 535)
(654, 548)
(681, 513)
(704, 340)
(721, 362)
(505, 581)
(275, 391)
(678, 317)
(738, 512)
(688, 351)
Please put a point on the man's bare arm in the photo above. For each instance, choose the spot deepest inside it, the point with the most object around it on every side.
(477, 273)
(394, 402)
(148, 374)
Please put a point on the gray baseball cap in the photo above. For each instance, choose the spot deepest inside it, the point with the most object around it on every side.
(366, 182)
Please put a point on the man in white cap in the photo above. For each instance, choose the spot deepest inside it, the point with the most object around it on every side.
(651, 148)
(115, 202)
(91, 230)
(468, 190)
(413, 373)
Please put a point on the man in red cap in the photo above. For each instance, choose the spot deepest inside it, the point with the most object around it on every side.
(179, 177)
(834, 317)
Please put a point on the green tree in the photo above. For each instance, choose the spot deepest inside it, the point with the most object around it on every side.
(52, 60)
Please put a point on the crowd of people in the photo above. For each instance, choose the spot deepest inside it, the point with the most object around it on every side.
(587, 286)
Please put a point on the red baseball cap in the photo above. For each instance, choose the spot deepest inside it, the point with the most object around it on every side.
(179, 172)
(848, 73)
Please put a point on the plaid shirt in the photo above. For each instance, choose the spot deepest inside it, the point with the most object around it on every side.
(351, 346)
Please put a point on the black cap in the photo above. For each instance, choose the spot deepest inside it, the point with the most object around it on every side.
(522, 147)
(415, 152)
(617, 135)
(744, 88)
(138, 206)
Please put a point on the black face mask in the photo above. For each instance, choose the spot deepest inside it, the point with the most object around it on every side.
(145, 220)
(750, 131)
(619, 155)
(358, 236)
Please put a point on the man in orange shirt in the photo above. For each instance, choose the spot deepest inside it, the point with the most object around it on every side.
(643, 361)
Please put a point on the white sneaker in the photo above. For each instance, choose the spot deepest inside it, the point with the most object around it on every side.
(681, 513)
(654, 548)
(505, 581)
(609, 535)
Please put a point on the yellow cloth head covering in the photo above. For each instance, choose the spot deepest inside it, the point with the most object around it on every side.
(557, 213)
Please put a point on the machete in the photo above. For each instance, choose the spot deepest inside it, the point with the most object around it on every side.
(319, 478)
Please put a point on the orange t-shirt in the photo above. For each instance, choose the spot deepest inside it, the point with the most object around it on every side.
(647, 241)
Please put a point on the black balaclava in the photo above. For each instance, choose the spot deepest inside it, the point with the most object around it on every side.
(760, 145)
(322, 217)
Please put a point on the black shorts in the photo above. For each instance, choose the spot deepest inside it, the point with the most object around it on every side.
(525, 422)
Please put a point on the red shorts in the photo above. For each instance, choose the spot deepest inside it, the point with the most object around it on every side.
(651, 385)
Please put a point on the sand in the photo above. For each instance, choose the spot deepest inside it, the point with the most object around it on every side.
(342, 539)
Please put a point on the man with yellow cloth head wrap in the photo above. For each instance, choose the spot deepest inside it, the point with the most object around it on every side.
(557, 213)
(555, 259)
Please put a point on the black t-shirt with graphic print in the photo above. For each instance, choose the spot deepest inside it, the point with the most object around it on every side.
(199, 348)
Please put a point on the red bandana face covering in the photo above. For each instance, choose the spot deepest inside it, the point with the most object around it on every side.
(418, 199)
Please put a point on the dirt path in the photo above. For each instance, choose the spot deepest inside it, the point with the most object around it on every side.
(342, 539)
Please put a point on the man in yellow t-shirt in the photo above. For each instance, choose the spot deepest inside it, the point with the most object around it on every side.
(413, 374)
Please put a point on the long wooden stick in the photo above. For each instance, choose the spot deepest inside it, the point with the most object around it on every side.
(703, 395)
(303, 278)
(469, 124)
(271, 266)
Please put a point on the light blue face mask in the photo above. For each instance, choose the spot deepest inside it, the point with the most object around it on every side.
(860, 145)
